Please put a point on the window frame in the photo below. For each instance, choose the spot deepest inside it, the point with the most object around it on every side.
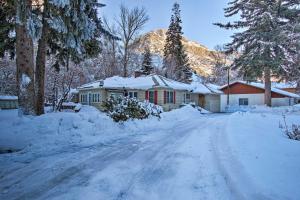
(83, 98)
(133, 94)
(96, 98)
(169, 96)
(151, 98)
(187, 100)
(243, 101)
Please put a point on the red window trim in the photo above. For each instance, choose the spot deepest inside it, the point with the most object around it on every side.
(147, 95)
(155, 97)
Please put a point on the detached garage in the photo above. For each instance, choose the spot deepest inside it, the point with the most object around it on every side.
(8, 102)
(243, 94)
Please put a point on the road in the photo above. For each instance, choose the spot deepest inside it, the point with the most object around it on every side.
(176, 161)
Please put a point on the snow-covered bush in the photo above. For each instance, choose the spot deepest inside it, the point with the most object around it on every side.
(124, 108)
(293, 132)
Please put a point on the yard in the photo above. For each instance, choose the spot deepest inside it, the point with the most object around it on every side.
(183, 155)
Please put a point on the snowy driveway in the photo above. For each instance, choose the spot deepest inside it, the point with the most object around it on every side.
(174, 162)
(184, 155)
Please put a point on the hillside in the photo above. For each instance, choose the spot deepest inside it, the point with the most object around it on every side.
(200, 57)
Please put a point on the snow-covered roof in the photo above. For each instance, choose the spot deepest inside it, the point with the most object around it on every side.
(284, 85)
(214, 88)
(151, 81)
(142, 82)
(204, 88)
(262, 86)
(8, 97)
(207, 88)
(73, 91)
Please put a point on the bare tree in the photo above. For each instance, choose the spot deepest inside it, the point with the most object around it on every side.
(130, 22)
(110, 57)
(219, 74)
(59, 82)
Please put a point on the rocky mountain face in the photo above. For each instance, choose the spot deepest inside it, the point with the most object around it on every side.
(200, 57)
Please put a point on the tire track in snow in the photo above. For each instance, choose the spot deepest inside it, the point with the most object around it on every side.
(159, 163)
(237, 181)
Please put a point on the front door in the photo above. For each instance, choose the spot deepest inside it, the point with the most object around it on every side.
(201, 100)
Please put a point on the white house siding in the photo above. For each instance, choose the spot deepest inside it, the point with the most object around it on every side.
(253, 99)
(283, 101)
(8, 104)
(195, 98)
(212, 103)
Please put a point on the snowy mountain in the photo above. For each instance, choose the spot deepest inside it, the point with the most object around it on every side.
(200, 57)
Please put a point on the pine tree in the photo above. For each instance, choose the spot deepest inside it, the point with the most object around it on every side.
(69, 30)
(147, 62)
(176, 64)
(7, 20)
(263, 42)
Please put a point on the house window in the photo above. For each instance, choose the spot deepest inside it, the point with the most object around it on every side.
(95, 97)
(169, 97)
(133, 95)
(243, 102)
(151, 96)
(83, 98)
(116, 95)
(187, 98)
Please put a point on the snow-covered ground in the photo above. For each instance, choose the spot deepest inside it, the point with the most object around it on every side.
(183, 155)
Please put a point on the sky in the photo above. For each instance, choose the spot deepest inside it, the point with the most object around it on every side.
(198, 17)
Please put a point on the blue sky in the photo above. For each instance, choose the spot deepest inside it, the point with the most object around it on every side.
(197, 17)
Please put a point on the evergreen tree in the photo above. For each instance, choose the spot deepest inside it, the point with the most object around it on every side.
(7, 20)
(264, 40)
(176, 64)
(70, 30)
(147, 62)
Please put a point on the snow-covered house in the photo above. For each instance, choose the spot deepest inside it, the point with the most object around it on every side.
(242, 93)
(8, 102)
(156, 89)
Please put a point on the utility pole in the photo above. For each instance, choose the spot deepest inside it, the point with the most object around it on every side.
(228, 83)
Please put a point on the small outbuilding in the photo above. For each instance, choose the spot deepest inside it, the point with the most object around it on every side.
(8, 102)
(242, 93)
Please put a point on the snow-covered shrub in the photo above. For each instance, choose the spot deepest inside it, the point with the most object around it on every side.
(124, 108)
(293, 132)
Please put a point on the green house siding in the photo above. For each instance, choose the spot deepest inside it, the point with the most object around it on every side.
(8, 104)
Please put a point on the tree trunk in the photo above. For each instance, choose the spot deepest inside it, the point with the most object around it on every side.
(25, 63)
(41, 65)
(298, 87)
(125, 72)
(228, 85)
(267, 77)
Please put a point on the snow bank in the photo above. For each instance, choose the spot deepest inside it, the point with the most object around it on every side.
(55, 130)
(264, 109)
(8, 97)
(58, 130)
(264, 155)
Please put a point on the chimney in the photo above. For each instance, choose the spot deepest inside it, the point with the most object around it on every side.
(101, 83)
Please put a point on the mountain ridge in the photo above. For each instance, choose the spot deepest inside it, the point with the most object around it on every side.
(201, 58)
